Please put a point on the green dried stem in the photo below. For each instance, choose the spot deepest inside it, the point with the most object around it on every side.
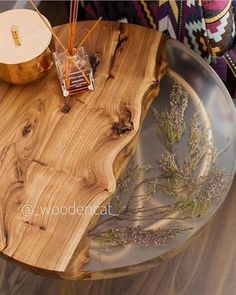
(170, 122)
(198, 146)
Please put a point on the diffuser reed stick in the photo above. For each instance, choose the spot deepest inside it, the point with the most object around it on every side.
(58, 40)
(74, 5)
(89, 32)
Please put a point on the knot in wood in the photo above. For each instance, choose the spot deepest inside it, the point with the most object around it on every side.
(26, 129)
(125, 124)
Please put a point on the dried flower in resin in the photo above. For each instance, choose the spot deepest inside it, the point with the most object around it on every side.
(139, 235)
(192, 192)
(197, 144)
(170, 122)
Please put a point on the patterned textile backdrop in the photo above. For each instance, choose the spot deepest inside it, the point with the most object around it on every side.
(208, 27)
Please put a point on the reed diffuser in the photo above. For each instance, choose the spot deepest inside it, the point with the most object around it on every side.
(74, 71)
(72, 63)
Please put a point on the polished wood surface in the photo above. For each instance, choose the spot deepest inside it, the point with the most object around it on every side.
(55, 156)
(206, 267)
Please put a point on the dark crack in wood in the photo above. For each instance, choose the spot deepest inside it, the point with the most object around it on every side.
(122, 39)
(4, 153)
(39, 162)
(94, 61)
(19, 172)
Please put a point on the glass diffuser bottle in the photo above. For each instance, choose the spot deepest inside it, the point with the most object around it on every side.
(74, 72)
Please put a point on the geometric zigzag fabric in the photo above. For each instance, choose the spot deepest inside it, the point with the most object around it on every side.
(207, 27)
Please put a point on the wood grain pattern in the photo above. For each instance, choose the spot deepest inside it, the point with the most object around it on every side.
(53, 156)
(207, 267)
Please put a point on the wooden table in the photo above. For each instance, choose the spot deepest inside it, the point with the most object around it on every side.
(206, 267)
(55, 153)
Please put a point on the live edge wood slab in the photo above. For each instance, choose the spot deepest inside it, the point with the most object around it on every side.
(55, 154)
